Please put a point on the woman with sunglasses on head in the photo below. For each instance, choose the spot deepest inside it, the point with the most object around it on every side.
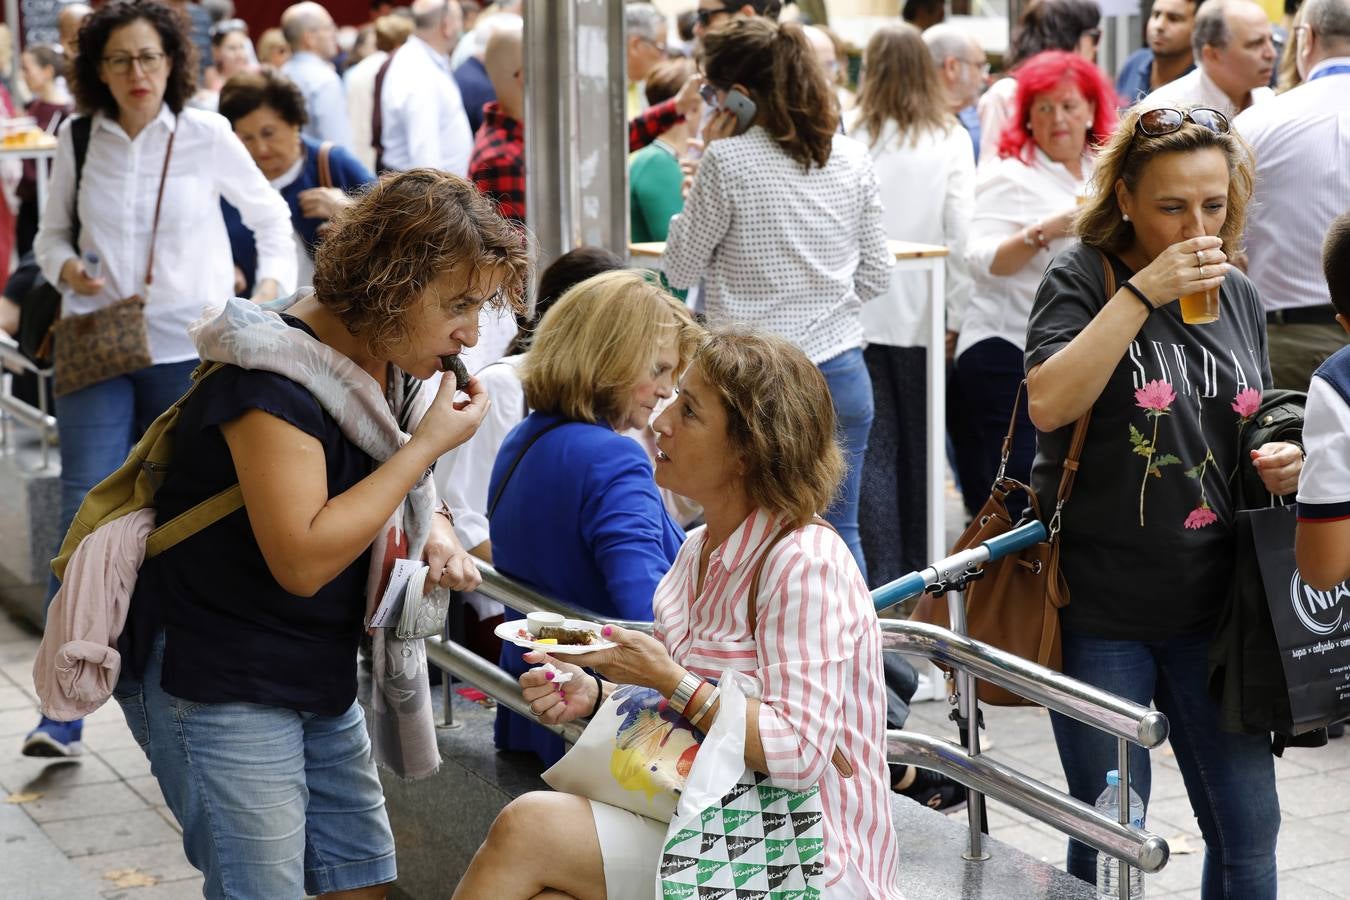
(1147, 541)
(231, 53)
(1025, 203)
(782, 225)
(142, 218)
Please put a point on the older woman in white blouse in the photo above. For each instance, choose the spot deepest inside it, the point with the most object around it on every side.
(132, 78)
(749, 439)
(1025, 204)
(782, 225)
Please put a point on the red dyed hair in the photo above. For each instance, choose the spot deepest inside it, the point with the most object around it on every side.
(1044, 72)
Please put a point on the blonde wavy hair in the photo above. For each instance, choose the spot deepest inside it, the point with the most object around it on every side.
(406, 232)
(595, 344)
(1124, 158)
(780, 421)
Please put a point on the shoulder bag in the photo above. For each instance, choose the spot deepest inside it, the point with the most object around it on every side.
(1015, 605)
(113, 340)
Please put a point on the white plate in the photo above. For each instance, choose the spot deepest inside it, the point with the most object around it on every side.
(510, 632)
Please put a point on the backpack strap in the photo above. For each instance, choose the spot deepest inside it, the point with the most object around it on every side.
(198, 518)
(80, 129)
(325, 171)
(838, 759)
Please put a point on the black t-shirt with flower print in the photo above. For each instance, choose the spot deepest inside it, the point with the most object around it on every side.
(1147, 534)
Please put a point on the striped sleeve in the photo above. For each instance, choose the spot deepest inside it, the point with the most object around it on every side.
(807, 635)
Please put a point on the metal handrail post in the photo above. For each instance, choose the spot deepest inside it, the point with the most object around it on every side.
(969, 708)
(1123, 816)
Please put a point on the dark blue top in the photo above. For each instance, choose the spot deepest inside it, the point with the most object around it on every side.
(348, 174)
(1136, 74)
(580, 520)
(232, 633)
(970, 119)
(475, 90)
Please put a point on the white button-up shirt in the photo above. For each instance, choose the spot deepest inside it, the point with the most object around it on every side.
(1302, 144)
(1009, 196)
(193, 266)
(1195, 88)
(793, 251)
(325, 99)
(933, 210)
(424, 120)
(359, 83)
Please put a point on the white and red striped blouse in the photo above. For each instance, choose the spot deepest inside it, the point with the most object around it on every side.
(816, 655)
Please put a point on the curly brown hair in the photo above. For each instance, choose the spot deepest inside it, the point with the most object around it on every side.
(92, 95)
(249, 91)
(776, 64)
(405, 232)
(780, 421)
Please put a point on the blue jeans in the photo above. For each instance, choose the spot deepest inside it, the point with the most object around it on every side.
(1229, 778)
(98, 426)
(851, 393)
(273, 802)
(987, 375)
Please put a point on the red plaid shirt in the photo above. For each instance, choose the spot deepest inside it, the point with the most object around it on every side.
(497, 166)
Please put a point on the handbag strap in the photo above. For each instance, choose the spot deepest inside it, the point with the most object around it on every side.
(325, 172)
(837, 759)
(159, 202)
(497, 495)
(377, 113)
(1070, 466)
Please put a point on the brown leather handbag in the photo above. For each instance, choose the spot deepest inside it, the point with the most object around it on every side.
(1015, 605)
(113, 340)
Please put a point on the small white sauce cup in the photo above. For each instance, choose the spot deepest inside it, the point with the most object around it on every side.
(537, 620)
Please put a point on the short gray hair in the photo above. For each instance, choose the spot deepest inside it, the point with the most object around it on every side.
(1211, 27)
(644, 20)
(1329, 18)
(945, 42)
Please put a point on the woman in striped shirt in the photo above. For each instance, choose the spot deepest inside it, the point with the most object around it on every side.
(751, 438)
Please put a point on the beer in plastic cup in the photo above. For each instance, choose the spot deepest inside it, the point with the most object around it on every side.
(1200, 308)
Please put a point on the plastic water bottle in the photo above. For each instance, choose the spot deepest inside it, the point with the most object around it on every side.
(1108, 868)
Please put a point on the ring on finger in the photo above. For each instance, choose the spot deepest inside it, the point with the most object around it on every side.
(1200, 258)
(1202, 273)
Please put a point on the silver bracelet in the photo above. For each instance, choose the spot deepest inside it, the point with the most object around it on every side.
(685, 691)
(706, 708)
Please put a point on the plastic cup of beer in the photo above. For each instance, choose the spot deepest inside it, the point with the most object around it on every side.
(1200, 308)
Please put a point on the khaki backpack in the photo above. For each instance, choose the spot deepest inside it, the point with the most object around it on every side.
(133, 487)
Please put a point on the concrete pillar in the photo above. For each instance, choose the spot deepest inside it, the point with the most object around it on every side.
(576, 135)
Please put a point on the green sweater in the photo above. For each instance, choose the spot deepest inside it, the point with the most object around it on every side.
(654, 182)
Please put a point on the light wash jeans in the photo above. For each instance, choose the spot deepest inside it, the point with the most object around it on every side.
(851, 394)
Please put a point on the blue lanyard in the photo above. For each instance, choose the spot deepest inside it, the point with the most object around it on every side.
(1330, 70)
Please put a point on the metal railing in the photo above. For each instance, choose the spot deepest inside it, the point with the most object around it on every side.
(12, 408)
(1121, 718)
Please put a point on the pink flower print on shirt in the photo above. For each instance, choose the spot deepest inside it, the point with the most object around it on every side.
(1155, 399)
(1201, 516)
(1246, 403)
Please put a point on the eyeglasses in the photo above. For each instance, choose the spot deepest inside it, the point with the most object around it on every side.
(1094, 33)
(658, 47)
(982, 66)
(705, 15)
(151, 61)
(1158, 122)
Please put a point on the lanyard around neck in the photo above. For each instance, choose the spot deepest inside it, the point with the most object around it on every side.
(1329, 70)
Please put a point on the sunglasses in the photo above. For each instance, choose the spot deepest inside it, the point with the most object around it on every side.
(704, 16)
(228, 26)
(1158, 122)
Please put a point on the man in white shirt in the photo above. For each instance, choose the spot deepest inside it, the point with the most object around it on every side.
(423, 120)
(962, 66)
(1302, 142)
(391, 32)
(310, 31)
(1234, 57)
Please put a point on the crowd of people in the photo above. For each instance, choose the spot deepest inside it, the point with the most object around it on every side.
(650, 435)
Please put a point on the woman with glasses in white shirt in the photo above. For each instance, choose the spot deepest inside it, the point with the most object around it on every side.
(1025, 204)
(108, 233)
(783, 222)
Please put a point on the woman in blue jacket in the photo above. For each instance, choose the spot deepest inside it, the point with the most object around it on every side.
(267, 111)
(573, 508)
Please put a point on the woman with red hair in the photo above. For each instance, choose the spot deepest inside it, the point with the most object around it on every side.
(1025, 203)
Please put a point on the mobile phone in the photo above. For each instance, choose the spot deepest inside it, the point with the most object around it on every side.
(742, 107)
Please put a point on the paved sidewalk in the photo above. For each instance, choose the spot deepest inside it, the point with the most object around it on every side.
(1314, 788)
(97, 827)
